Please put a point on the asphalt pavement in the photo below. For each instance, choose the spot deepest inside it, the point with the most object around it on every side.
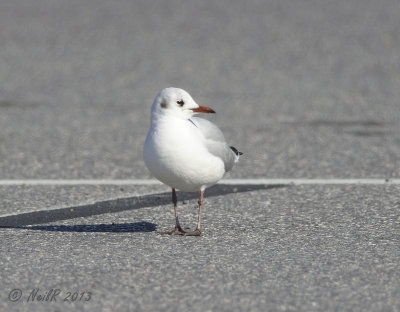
(305, 89)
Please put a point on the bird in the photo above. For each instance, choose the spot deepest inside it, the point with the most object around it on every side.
(185, 152)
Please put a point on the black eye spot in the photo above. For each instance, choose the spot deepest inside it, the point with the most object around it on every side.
(180, 103)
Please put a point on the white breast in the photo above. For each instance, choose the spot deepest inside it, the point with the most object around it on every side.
(175, 153)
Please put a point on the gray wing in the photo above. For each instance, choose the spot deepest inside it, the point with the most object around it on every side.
(215, 142)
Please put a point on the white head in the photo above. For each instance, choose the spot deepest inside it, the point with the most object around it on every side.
(176, 102)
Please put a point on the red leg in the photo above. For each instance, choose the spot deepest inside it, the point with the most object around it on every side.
(178, 229)
(197, 231)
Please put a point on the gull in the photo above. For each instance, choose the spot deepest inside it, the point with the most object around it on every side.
(185, 152)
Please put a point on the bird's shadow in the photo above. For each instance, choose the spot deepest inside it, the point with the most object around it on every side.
(136, 227)
(112, 206)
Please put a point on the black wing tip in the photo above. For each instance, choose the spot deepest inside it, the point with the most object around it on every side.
(236, 151)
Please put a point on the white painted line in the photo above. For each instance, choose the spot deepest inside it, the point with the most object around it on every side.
(309, 181)
(80, 182)
(49, 182)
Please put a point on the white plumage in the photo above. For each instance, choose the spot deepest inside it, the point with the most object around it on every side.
(185, 152)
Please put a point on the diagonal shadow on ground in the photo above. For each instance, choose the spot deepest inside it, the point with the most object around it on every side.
(136, 227)
(121, 204)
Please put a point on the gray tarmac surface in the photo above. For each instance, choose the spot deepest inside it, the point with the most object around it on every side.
(306, 89)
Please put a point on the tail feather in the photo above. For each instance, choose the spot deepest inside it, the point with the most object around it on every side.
(237, 153)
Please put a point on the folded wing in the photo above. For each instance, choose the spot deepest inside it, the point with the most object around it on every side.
(215, 142)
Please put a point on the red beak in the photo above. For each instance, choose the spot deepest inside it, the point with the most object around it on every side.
(203, 109)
